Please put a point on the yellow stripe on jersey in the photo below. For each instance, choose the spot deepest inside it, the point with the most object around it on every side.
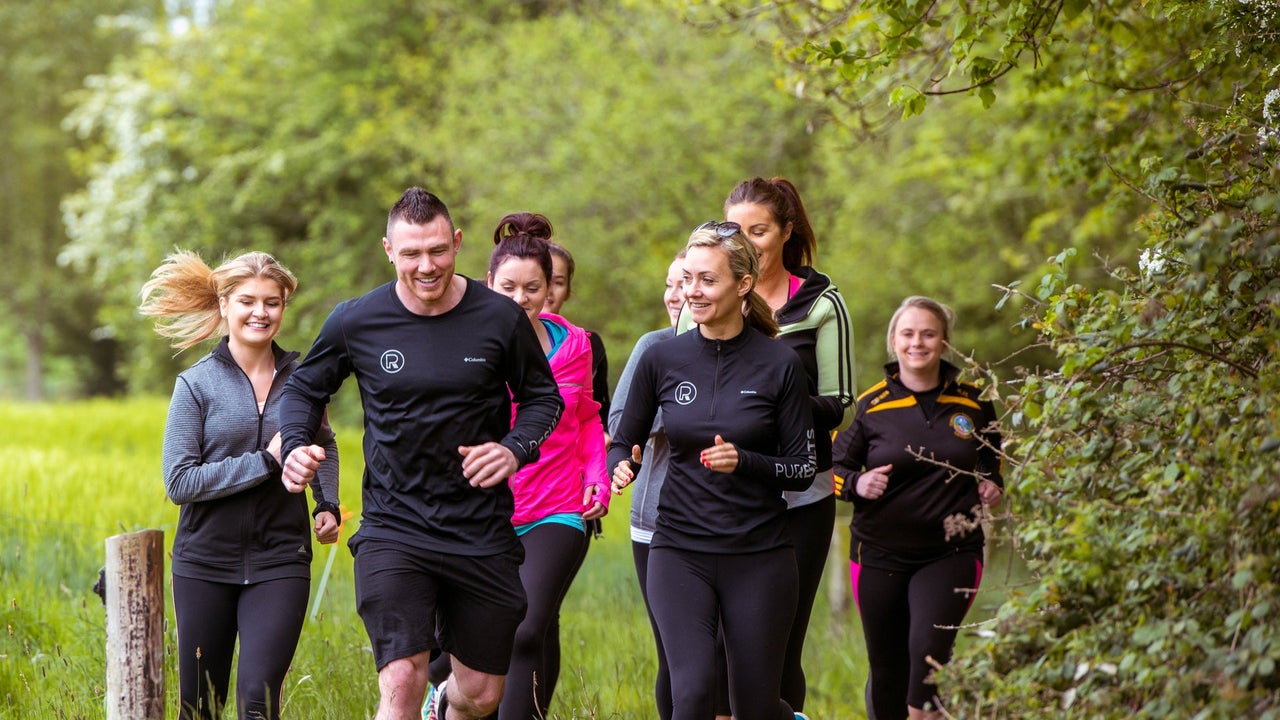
(907, 401)
(959, 400)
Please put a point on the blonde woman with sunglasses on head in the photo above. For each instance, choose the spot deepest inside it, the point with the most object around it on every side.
(735, 408)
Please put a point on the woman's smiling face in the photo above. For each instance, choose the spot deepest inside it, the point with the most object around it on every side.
(710, 289)
(253, 311)
(919, 341)
(522, 280)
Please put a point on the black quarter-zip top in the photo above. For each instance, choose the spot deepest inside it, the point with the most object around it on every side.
(752, 392)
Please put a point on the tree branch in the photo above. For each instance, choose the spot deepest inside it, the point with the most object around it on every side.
(1142, 192)
(1250, 372)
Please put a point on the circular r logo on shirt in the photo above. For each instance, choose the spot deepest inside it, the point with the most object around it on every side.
(686, 393)
(392, 361)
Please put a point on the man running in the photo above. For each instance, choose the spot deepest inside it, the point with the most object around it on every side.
(439, 359)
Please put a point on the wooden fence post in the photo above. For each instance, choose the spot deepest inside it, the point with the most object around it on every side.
(135, 626)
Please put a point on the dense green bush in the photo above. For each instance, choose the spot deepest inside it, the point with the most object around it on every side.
(1147, 488)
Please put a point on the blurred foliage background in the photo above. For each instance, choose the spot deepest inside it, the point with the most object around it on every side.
(1092, 184)
(219, 127)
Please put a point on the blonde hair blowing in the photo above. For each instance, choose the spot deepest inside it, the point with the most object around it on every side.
(940, 311)
(183, 293)
(743, 261)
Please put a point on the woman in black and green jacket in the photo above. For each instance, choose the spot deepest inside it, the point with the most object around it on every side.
(242, 551)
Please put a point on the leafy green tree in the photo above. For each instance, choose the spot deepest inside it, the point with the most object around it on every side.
(288, 128)
(293, 128)
(1148, 493)
(938, 205)
(48, 305)
(626, 129)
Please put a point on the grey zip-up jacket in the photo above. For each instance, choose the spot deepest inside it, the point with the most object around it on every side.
(237, 522)
(657, 451)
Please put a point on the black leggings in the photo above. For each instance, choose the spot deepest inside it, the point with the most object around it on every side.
(552, 555)
(810, 529)
(906, 617)
(551, 655)
(753, 597)
(661, 684)
(267, 617)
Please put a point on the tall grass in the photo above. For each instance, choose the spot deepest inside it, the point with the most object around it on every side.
(75, 474)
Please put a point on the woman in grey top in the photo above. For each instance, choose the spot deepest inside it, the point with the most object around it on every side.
(644, 492)
(242, 552)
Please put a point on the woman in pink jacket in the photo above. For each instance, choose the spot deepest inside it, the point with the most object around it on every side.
(568, 485)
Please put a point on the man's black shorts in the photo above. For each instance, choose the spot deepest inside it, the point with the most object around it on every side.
(413, 600)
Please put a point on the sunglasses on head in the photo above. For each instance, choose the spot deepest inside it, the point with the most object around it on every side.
(722, 229)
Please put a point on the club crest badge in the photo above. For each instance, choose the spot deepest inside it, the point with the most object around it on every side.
(962, 426)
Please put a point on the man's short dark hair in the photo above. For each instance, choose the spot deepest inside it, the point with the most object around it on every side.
(418, 207)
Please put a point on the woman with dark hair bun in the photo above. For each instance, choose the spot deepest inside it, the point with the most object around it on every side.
(557, 496)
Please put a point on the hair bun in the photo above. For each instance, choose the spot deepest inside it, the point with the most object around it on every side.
(534, 225)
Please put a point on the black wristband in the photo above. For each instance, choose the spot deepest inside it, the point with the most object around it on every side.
(328, 507)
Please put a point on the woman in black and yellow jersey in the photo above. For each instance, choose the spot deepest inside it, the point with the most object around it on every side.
(920, 460)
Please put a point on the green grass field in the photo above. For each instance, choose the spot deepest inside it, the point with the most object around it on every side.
(75, 474)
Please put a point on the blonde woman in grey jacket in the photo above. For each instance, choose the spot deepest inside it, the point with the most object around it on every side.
(242, 551)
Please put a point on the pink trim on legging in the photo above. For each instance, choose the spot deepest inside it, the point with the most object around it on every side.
(854, 570)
